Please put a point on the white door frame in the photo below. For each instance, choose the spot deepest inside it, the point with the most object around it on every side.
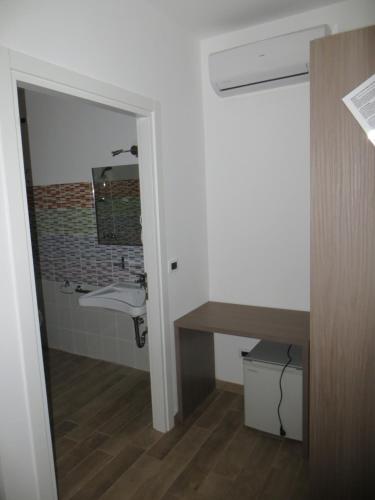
(27, 467)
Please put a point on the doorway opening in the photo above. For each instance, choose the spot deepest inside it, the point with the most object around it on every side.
(84, 203)
(28, 437)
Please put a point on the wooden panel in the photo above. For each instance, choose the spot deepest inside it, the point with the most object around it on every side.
(306, 399)
(278, 325)
(343, 273)
(195, 368)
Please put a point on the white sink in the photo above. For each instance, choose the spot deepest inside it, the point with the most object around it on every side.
(129, 298)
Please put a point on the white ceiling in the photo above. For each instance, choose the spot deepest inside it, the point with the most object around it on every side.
(211, 17)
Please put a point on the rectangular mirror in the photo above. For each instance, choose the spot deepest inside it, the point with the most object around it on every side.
(117, 205)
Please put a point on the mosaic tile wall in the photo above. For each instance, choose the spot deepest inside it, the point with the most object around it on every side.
(66, 246)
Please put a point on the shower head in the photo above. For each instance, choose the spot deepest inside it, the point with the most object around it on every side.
(117, 152)
(133, 150)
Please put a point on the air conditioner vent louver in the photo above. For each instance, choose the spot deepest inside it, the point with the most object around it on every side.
(225, 89)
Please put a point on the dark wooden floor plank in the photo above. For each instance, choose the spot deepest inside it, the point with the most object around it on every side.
(64, 428)
(217, 409)
(67, 373)
(214, 487)
(92, 383)
(168, 441)
(56, 361)
(190, 444)
(70, 373)
(117, 413)
(168, 469)
(129, 432)
(251, 481)
(133, 402)
(301, 487)
(282, 478)
(146, 437)
(76, 455)
(63, 445)
(204, 460)
(125, 381)
(127, 484)
(231, 463)
(85, 471)
(107, 449)
(103, 480)
(158, 483)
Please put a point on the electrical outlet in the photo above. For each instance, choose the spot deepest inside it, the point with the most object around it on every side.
(244, 352)
(172, 265)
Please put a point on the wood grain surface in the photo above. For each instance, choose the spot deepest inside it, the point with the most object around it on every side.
(278, 325)
(342, 405)
(210, 456)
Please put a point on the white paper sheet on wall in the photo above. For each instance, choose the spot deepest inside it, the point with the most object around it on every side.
(361, 102)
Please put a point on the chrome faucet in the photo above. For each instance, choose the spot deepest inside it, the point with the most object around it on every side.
(142, 280)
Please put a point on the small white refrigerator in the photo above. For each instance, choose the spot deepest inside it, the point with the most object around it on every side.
(263, 368)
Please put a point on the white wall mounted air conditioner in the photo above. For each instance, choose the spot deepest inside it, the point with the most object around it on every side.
(275, 62)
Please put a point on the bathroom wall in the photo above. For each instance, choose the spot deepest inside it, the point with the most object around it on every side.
(66, 132)
(69, 137)
(67, 239)
(257, 162)
(89, 331)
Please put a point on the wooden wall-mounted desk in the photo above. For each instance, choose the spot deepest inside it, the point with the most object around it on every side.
(195, 355)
